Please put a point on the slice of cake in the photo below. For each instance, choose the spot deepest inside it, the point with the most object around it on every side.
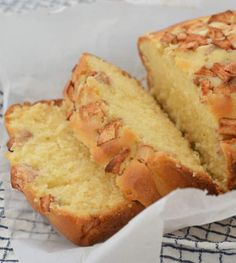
(57, 177)
(192, 73)
(128, 134)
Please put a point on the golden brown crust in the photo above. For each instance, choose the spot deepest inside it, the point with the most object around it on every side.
(189, 39)
(120, 151)
(229, 149)
(81, 230)
(217, 82)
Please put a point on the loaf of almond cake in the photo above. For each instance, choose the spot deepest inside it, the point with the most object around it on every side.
(128, 135)
(191, 70)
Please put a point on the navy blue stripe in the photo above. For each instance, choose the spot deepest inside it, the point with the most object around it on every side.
(224, 225)
(215, 232)
(187, 231)
(5, 252)
(189, 239)
(2, 226)
(200, 250)
(176, 259)
(4, 238)
(9, 260)
(6, 248)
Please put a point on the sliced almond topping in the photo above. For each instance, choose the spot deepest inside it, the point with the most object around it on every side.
(69, 90)
(22, 137)
(201, 40)
(145, 152)
(227, 126)
(189, 45)
(215, 33)
(22, 174)
(205, 86)
(232, 40)
(102, 77)
(87, 95)
(219, 70)
(168, 38)
(204, 71)
(114, 165)
(198, 28)
(231, 69)
(92, 109)
(45, 202)
(227, 17)
(181, 36)
(109, 132)
(224, 44)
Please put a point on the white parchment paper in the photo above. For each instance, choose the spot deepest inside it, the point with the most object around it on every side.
(37, 52)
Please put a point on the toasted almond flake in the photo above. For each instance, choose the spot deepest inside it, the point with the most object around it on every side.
(232, 40)
(215, 33)
(22, 174)
(168, 38)
(227, 126)
(231, 69)
(181, 36)
(204, 71)
(114, 165)
(22, 137)
(45, 202)
(101, 77)
(219, 70)
(227, 17)
(224, 44)
(93, 109)
(201, 40)
(196, 27)
(189, 45)
(109, 132)
(87, 95)
(69, 90)
(205, 86)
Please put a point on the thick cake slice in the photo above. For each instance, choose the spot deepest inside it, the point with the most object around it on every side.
(128, 134)
(192, 73)
(57, 177)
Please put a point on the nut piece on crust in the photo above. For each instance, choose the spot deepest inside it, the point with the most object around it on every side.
(45, 202)
(229, 149)
(109, 132)
(227, 126)
(114, 165)
(227, 17)
(21, 175)
(22, 137)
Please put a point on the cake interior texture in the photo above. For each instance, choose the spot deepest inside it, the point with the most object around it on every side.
(62, 164)
(140, 112)
(171, 80)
